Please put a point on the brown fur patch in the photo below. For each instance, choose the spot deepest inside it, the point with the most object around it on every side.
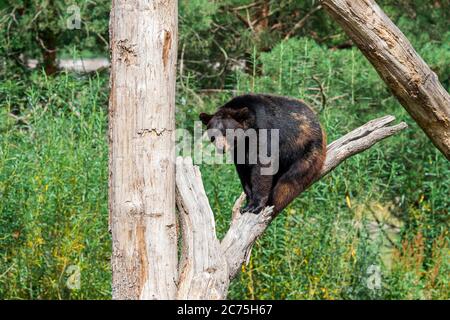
(299, 177)
(282, 195)
(306, 134)
(299, 117)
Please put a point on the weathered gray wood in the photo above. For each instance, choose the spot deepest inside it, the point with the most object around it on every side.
(410, 79)
(203, 251)
(359, 140)
(203, 269)
(143, 41)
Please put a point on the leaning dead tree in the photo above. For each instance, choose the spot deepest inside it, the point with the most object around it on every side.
(207, 264)
(143, 41)
(409, 78)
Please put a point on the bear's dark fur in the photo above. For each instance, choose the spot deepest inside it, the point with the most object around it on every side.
(302, 146)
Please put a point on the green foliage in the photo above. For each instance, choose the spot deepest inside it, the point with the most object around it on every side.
(53, 191)
(198, 14)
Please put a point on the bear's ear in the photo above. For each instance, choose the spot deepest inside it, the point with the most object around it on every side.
(240, 115)
(205, 118)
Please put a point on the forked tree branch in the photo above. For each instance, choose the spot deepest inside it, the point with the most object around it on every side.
(208, 265)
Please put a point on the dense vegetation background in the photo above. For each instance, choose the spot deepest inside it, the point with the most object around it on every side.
(384, 212)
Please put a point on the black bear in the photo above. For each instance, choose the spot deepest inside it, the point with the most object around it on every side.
(301, 148)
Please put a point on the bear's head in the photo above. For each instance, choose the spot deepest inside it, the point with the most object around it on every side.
(225, 119)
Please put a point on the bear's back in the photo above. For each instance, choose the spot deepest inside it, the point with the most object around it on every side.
(300, 132)
(275, 112)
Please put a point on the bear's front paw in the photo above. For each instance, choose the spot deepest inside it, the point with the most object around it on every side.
(255, 209)
(247, 208)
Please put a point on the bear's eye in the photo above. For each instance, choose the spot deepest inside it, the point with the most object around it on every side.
(213, 139)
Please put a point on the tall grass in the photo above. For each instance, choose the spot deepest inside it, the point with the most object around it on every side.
(53, 191)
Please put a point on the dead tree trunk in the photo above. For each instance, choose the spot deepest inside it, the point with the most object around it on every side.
(410, 79)
(208, 265)
(143, 43)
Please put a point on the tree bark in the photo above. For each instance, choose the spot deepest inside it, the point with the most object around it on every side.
(47, 41)
(410, 79)
(208, 265)
(143, 43)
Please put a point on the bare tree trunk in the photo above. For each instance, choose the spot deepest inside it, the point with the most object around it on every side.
(414, 84)
(143, 43)
(48, 49)
(262, 21)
